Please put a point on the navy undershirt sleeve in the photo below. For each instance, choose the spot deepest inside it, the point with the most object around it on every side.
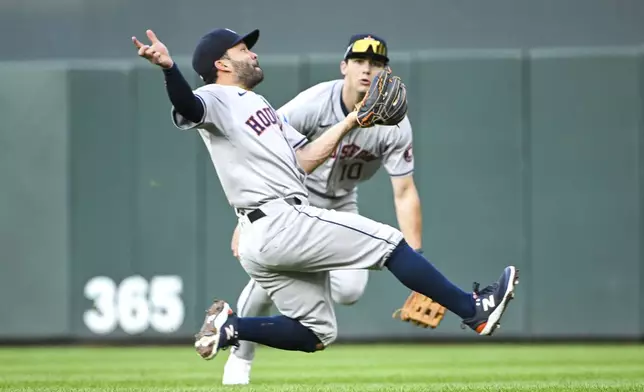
(181, 96)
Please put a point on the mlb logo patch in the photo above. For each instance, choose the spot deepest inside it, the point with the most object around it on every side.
(408, 155)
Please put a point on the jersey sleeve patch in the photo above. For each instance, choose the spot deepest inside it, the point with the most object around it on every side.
(399, 159)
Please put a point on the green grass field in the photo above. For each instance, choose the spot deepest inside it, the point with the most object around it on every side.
(483, 367)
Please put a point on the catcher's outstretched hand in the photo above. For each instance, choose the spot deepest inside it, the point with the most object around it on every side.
(156, 53)
(385, 102)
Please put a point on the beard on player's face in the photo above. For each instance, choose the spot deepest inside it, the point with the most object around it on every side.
(248, 72)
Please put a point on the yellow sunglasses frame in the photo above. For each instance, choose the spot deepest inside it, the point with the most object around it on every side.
(363, 45)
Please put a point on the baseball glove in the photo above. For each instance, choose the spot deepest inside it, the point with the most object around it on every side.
(421, 311)
(385, 102)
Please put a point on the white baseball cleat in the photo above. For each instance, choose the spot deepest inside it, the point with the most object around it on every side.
(236, 371)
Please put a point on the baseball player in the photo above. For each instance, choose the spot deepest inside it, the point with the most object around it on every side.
(333, 185)
(286, 245)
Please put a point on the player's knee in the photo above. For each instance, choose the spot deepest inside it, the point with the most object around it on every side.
(334, 335)
(326, 335)
(348, 295)
(328, 338)
(347, 287)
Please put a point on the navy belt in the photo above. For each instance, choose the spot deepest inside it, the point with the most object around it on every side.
(257, 213)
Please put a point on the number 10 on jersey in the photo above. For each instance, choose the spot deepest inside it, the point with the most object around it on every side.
(351, 171)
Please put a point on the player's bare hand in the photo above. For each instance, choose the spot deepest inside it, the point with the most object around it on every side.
(156, 52)
(234, 244)
(352, 118)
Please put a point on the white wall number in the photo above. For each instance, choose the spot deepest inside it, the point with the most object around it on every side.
(135, 305)
(102, 319)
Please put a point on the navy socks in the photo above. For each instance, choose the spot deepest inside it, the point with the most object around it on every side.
(277, 332)
(418, 274)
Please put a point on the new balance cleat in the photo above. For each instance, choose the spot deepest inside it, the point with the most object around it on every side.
(491, 302)
(218, 332)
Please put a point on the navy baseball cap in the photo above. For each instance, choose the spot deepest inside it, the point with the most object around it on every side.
(367, 45)
(213, 46)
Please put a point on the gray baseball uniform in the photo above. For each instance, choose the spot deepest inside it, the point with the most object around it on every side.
(362, 152)
(333, 185)
(290, 247)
